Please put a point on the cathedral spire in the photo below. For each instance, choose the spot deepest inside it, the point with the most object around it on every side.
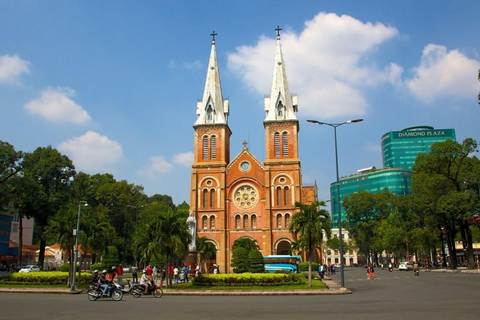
(280, 105)
(213, 109)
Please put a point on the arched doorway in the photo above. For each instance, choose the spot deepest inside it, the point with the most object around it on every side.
(284, 247)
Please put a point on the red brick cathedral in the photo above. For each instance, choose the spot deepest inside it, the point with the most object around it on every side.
(243, 196)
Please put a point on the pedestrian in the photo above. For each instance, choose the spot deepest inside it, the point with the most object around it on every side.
(320, 271)
(135, 273)
(197, 271)
(175, 275)
(119, 274)
(155, 273)
(187, 270)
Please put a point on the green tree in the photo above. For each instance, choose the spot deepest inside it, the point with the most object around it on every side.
(308, 228)
(245, 242)
(206, 250)
(44, 188)
(255, 262)
(447, 179)
(240, 261)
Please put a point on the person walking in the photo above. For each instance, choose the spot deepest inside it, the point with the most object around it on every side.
(119, 274)
(135, 273)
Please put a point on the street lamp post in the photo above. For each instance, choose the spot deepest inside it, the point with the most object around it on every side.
(339, 217)
(77, 231)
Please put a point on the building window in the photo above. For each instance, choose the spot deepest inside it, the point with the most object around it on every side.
(205, 198)
(213, 147)
(212, 198)
(209, 113)
(276, 137)
(205, 148)
(254, 221)
(286, 192)
(287, 220)
(279, 196)
(285, 144)
(279, 220)
(280, 110)
(237, 222)
(204, 223)
(245, 222)
(212, 222)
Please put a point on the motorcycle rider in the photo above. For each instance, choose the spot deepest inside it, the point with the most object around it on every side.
(103, 281)
(95, 278)
(390, 266)
(145, 281)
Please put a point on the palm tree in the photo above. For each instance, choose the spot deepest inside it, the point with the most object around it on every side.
(205, 249)
(308, 227)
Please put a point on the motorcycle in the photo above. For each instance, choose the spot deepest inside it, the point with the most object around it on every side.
(138, 290)
(417, 272)
(113, 291)
(390, 268)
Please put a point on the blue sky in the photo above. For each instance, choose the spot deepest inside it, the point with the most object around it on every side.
(114, 84)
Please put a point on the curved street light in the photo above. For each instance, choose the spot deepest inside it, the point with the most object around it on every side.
(339, 218)
(77, 231)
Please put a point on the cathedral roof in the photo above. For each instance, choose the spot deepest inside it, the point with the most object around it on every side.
(212, 109)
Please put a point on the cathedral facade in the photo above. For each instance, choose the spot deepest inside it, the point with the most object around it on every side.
(245, 197)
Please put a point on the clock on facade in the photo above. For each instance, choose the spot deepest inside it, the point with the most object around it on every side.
(245, 197)
(244, 166)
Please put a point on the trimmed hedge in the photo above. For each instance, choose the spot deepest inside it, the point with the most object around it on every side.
(249, 279)
(303, 267)
(44, 277)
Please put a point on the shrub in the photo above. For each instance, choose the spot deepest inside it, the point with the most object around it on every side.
(44, 278)
(240, 260)
(96, 266)
(249, 279)
(255, 260)
(303, 267)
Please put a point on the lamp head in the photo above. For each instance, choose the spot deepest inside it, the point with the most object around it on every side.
(354, 120)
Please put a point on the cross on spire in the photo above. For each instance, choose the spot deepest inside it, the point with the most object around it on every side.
(278, 31)
(245, 144)
(213, 34)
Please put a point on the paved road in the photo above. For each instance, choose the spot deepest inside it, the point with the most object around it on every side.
(393, 295)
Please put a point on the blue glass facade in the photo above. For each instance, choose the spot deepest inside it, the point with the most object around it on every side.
(399, 151)
(394, 179)
(400, 148)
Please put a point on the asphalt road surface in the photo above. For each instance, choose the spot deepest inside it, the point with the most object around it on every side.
(393, 295)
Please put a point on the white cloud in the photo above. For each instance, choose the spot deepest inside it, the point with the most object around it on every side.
(184, 159)
(442, 74)
(11, 67)
(92, 152)
(158, 164)
(324, 64)
(197, 64)
(56, 105)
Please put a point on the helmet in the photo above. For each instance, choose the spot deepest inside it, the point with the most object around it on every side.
(144, 271)
(96, 271)
(104, 271)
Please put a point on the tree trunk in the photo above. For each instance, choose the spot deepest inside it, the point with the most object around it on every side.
(20, 239)
(41, 255)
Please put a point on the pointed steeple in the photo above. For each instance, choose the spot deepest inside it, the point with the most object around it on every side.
(280, 105)
(213, 109)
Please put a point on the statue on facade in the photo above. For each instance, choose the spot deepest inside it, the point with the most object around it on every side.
(192, 228)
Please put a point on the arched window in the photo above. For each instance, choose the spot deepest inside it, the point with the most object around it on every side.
(279, 196)
(279, 220)
(205, 198)
(287, 220)
(205, 148)
(212, 222)
(213, 147)
(204, 223)
(254, 221)
(245, 222)
(285, 144)
(237, 222)
(209, 113)
(280, 110)
(276, 138)
(286, 199)
(212, 198)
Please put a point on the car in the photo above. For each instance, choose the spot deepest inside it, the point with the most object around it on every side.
(406, 266)
(30, 268)
(127, 269)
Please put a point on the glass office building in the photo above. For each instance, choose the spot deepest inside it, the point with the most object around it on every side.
(399, 151)
(400, 148)
(373, 180)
